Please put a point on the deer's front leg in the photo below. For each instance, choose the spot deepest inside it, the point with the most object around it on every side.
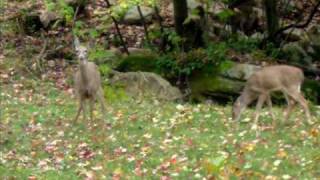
(79, 109)
(101, 101)
(91, 106)
(269, 102)
(261, 100)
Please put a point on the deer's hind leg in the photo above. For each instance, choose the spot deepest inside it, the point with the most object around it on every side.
(297, 96)
(291, 103)
(100, 98)
(91, 107)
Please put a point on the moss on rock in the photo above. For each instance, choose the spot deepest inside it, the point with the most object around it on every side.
(204, 84)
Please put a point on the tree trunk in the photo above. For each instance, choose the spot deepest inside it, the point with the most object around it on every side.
(272, 18)
(180, 14)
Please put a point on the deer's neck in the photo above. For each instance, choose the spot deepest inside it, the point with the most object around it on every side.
(84, 72)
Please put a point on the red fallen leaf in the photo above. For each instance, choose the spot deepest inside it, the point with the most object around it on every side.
(11, 154)
(165, 178)
(36, 143)
(189, 142)
(116, 177)
(133, 117)
(86, 154)
(165, 166)
(119, 151)
(32, 178)
(50, 148)
(90, 175)
(173, 159)
(137, 169)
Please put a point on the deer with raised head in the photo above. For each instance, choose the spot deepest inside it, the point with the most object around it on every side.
(287, 79)
(87, 82)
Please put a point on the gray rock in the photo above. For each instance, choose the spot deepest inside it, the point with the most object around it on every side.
(133, 17)
(224, 85)
(145, 85)
(46, 17)
(296, 34)
(258, 35)
(142, 51)
(192, 4)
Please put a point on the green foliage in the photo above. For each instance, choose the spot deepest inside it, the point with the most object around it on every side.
(243, 44)
(79, 29)
(119, 10)
(138, 62)
(62, 8)
(225, 15)
(211, 59)
(104, 69)
(173, 38)
(215, 165)
(98, 53)
(273, 51)
(311, 90)
(115, 94)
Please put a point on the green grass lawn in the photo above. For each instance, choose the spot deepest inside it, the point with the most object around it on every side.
(146, 140)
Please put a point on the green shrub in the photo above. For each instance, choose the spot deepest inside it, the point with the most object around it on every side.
(115, 94)
(243, 44)
(138, 62)
(211, 60)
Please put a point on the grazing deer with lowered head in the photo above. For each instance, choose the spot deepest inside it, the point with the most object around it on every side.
(287, 79)
(87, 82)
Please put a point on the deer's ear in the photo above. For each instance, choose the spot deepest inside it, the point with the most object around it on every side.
(76, 43)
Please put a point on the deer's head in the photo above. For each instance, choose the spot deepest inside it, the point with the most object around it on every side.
(82, 51)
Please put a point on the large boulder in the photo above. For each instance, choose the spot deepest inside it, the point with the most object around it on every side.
(133, 17)
(49, 17)
(205, 85)
(145, 85)
(224, 85)
(192, 4)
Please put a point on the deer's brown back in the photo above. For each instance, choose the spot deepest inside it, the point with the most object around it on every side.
(275, 78)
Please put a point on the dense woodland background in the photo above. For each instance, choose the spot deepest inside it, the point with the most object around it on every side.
(196, 45)
(153, 54)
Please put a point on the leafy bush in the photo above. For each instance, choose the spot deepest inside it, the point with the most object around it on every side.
(138, 62)
(62, 8)
(212, 59)
(99, 54)
(243, 44)
(114, 94)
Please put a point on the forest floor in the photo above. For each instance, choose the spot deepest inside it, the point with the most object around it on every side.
(145, 140)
